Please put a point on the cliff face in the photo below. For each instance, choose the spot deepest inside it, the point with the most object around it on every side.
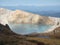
(56, 32)
(18, 16)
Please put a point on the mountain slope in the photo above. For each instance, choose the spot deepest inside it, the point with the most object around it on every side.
(19, 16)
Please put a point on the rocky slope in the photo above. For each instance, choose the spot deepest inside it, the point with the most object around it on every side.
(6, 30)
(25, 17)
(56, 32)
(19, 16)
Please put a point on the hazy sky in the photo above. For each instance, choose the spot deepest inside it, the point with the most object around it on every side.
(29, 2)
(50, 5)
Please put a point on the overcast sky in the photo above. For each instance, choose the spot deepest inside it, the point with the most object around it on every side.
(29, 2)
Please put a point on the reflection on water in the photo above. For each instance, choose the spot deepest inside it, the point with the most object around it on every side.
(29, 28)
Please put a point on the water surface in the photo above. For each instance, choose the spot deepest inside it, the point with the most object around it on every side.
(29, 28)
